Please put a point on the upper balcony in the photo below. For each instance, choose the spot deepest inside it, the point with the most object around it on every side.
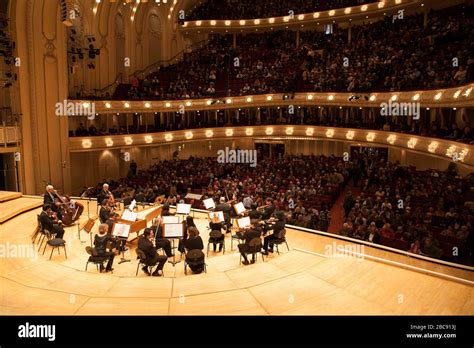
(302, 20)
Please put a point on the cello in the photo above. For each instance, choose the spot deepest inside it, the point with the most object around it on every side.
(70, 210)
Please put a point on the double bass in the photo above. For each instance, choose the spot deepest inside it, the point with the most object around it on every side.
(70, 210)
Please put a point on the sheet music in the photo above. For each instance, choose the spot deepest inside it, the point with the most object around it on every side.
(219, 214)
(173, 231)
(193, 196)
(129, 215)
(239, 208)
(170, 219)
(121, 230)
(209, 203)
(182, 208)
(243, 222)
(132, 205)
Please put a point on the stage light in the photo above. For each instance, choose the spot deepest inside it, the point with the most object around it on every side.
(289, 130)
(168, 105)
(109, 142)
(85, 105)
(394, 97)
(228, 100)
(310, 97)
(416, 97)
(301, 17)
(332, 12)
(127, 105)
(330, 133)
(227, 23)
(242, 22)
(188, 135)
(372, 98)
(229, 132)
(249, 131)
(269, 131)
(350, 135)
(468, 92)
(363, 8)
(381, 4)
(271, 20)
(309, 132)
(249, 99)
(147, 105)
(347, 10)
(208, 102)
(213, 22)
(188, 103)
(198, 23)
(128, 140)
(370, 136)
(331, 97)
(257, 21)
(438, 96)
(148, 139)
(168, 137)
(457, 94)
(269, 98)
(108, 106)
(209, 133)
(316, 15)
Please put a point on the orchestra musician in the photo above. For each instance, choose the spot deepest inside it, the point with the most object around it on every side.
(226, 208)
(269, 209)
(254, 213)
(161, 242)
(277, 228)
(104, 193)
(105, 211)
(189, 222)
(51, 198)
(49, 220)
(146, 243)
(216, 236)
(100, 243)
(247, 235)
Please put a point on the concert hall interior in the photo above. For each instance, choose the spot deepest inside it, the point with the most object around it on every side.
(223, 157)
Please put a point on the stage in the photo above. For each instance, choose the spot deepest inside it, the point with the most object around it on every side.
(305, 280)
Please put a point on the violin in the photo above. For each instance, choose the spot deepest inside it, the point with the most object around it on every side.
(263, 206)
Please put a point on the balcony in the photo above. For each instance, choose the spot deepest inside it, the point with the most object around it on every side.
(437, 148)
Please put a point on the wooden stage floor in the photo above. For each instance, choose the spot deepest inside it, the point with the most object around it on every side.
(11, 207)
(301, 281)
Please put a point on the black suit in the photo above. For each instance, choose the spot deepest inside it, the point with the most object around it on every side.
(152, 258)
(104, 215)
(255, 215)
(49, 224)
(247, 237)
(194, 243)
(100, 244)
(161, 242)
(226, 209)
(102, 195)
(49, 200)
(268, 212)
(277, 229)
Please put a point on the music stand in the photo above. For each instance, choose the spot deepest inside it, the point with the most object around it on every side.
(183, 209)
(121, 231)
(173, 231)
(193, 197)
(209, 204)
(87, 227)
(88, 199)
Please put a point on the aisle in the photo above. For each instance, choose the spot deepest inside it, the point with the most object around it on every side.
(337, 211)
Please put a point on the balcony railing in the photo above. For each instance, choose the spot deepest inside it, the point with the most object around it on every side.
(440, 148)
(297, 20)
(461, 96)
(9, 136)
